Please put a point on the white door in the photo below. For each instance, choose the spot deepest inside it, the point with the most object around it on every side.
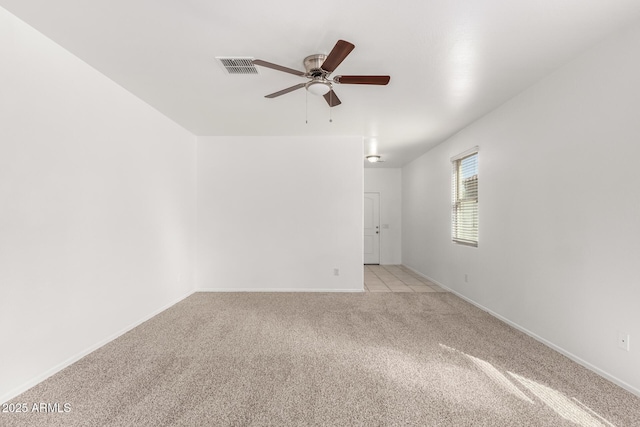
(372, 228)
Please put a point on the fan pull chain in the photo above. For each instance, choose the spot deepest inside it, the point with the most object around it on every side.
(306, 106)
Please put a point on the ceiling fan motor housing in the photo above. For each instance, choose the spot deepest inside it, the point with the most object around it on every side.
(313, 65)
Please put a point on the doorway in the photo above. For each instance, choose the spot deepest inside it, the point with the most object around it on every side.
(371, 228)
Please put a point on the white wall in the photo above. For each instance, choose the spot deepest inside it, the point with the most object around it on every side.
(97, 208)
(559, 210)
(279, 213)
(387, 182)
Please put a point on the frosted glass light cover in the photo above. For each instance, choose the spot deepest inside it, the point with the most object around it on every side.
(318, 88)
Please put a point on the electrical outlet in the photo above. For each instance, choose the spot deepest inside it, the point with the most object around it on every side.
(623, 340)
(336, 271)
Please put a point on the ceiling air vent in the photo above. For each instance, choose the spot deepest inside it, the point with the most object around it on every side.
(238, 65)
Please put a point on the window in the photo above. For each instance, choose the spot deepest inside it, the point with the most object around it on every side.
(464, 198)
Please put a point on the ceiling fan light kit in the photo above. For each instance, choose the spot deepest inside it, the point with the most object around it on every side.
(318, 68)
(318, 87)
(373, 158)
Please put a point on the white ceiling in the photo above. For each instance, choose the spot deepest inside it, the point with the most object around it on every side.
(450, 61)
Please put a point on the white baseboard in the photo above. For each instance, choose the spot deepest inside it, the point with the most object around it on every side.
(533, 335)
(275, 290)
(39, 378)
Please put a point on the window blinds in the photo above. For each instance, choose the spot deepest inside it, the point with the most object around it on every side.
(464, 215)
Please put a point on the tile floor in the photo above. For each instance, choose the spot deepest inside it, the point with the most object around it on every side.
(396, 278)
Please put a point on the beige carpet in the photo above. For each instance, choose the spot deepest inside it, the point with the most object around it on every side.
(252, 359)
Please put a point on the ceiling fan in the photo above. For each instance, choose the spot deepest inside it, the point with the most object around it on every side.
(318, 69)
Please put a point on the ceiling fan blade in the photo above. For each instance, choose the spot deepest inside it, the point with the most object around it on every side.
(337, 55)
(277, 67)
(362, 80)
(332, 99)
(287, 90)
